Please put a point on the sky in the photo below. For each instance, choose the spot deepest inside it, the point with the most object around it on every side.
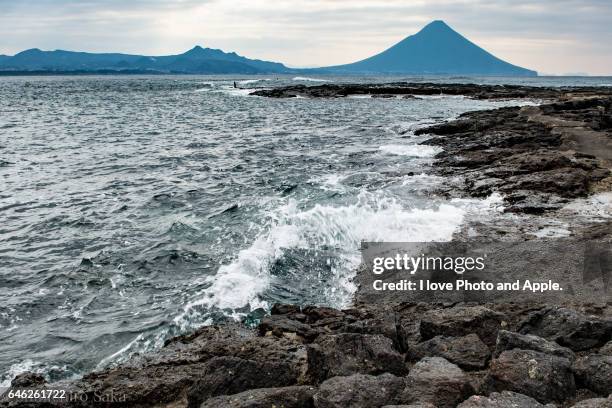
(549, 36)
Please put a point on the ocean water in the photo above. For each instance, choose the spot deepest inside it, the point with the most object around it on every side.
(134, 209)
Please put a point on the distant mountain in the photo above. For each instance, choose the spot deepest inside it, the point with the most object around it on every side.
(198, 60)
(436, 50)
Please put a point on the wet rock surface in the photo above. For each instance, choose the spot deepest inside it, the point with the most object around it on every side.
(362, 357)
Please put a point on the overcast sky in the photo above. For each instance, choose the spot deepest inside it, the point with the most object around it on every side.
(550, 36)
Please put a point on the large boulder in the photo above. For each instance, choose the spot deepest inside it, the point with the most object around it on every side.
(505, 399)
(569, 328)
(28, 380)
(595, 373)
(461, 321)
(436, 381)
(507, 340)
(468, 352)
(232, 375)
(351, 353)
(359, 391)
(286, 397)
(541, 376)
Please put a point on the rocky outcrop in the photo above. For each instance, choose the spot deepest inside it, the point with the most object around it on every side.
(369, 356)
(538, 157)
(406, 89)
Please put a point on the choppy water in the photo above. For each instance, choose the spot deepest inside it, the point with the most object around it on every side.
(137, 208)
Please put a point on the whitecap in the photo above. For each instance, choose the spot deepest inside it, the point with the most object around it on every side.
(307, 79)
(237, 287)
(411, 150)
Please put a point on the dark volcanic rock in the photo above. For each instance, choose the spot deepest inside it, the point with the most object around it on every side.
(462, 321)
(606, 349)
(28, 380)
(509, 341)
(594, 403)
(287, 397)
(213, 361)
(359, 391)
(434, 380)
(309, 322)
(350, 353)
(468, 352)
(569, 328)
(404, 88)
(595, 373)
(541, 376)
(537, 156)
(281, 325)
(232, 375)
(506, 399)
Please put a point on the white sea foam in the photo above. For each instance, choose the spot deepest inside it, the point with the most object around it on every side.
(253, 81)
(237, 286)
(307, 79)
(330, 182)
(411, 150)
(16, 369)
(596, 206)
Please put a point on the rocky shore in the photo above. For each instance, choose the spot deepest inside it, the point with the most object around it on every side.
(409, 354)
(410, 90)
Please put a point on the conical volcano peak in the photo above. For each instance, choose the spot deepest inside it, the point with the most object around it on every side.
(437, 25)
(435, 50)
(437, 28)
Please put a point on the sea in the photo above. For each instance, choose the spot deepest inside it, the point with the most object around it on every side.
(137, 208)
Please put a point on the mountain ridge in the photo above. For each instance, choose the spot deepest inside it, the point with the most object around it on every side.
(436, 49)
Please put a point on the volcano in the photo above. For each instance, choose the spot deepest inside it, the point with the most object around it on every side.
(435, 50)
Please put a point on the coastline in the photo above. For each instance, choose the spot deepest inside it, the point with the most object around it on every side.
(392, 354)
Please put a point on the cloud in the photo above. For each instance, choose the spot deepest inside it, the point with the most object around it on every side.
(551, 36)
